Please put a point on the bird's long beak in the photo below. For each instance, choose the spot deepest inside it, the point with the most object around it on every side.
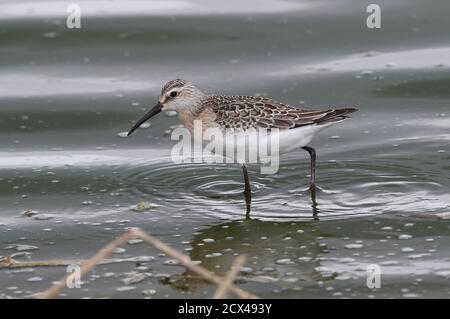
(155, 110)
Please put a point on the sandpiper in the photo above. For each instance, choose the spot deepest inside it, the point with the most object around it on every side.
(297, 126)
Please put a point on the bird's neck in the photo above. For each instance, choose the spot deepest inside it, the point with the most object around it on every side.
(190, 113)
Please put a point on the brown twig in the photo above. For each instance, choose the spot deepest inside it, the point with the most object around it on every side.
(88, 265)
(9, 262)
(109, 249)
(187, 262)
(230, 277)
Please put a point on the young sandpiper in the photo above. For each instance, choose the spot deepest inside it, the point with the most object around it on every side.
(296, 126)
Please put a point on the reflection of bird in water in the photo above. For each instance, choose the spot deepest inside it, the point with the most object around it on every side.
(285, 252)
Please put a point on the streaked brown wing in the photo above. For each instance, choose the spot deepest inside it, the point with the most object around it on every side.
(260, 112)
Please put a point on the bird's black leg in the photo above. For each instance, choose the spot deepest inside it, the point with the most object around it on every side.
(312, 186)
(247, 191)
(312, 154)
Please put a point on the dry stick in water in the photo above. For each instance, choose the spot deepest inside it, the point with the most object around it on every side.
(9, 262)
(187, 262)
(87, 266)
(223, 288)
(109, 249)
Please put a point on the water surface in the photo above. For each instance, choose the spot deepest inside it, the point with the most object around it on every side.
(383, 175)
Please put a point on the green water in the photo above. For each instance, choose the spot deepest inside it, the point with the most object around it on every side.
(383, 176)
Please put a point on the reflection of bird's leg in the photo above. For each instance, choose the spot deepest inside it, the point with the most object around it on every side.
(247, 191)
(315, 209)
(312, 154)
(312, 186)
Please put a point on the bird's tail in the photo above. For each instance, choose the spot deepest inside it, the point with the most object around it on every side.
(332, 116)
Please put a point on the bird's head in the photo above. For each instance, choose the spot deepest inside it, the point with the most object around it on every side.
(176, 95)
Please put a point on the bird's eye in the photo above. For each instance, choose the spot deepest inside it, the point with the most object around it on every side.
(173, 94)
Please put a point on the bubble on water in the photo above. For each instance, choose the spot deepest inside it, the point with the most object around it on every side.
(284, 261)
(43, 217)
(122, 134)
(418, 256)
(47, 229)
(34, 279)
(87, 202)
(290, 279)
(145, 125)
(125, 288)
(49, 35)
(149, 292)
(443, 273)
(135, 241)
(119, 250)
(444, 215)
(342, 277)
(21, 247)
(335, 137)
(246, 270)
(409, 224)
(404, 236)
(170, 113)
(354, 246)
(208, 240)
(407, 249)
(136, 278)
(366, 72)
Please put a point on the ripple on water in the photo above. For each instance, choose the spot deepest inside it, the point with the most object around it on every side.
(346, 189)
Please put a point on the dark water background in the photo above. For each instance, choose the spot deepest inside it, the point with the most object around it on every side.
(383, 175)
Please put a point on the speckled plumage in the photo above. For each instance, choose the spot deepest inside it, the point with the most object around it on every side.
(245, 112)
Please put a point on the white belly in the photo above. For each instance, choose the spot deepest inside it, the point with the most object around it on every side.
(252, 146)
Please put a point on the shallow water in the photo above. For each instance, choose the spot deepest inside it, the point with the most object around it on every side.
(383, 175)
